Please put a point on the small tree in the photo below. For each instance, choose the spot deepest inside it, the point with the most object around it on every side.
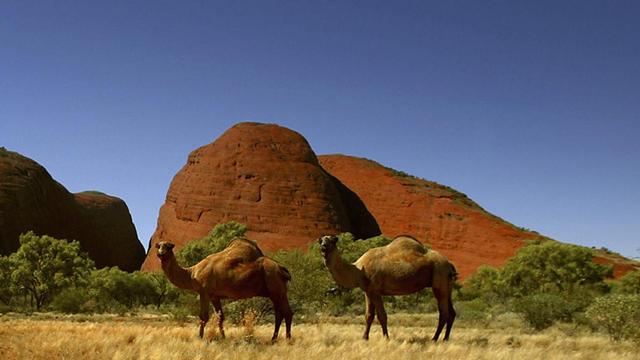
(43, 266)
(552, 267)
(618, 315)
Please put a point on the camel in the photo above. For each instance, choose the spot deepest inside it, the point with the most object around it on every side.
(240, 271)
(402, 267)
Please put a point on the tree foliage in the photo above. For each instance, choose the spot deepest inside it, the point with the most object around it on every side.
(484, 284)
(43, 266)
(6, 285)
(552, 267)
(541, 310)
(618, 315)
(217, 240)
(115, 290)
(630, 283)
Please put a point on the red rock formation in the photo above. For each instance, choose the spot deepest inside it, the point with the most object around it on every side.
(266, 177)
(432, 213)
(435, 214)
(31, 200)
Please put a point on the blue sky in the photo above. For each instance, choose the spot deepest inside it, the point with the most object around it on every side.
(530, 108)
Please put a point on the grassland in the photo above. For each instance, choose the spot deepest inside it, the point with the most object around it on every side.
(49, 336)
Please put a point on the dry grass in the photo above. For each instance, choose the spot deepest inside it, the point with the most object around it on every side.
(153, 337)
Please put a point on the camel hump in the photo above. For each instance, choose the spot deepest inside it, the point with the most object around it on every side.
(244, 242)
(406, 242)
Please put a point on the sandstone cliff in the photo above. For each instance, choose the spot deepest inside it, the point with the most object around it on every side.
(266, 177)
(30, 199)
(438, 215)
(448, 220)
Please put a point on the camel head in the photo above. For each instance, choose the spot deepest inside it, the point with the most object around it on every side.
(327, 244)
(164, 248)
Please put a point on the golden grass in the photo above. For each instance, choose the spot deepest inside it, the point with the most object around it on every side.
(154, 337)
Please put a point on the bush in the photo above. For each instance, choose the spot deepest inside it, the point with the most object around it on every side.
(540, 311)
(71, 301)
(618, 315)
(475, 311)
(310, 280)
(484, 284)
(552, 267)
(630, 283)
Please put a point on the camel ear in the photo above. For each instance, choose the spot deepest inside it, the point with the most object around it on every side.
(157, 246)
(170, 245)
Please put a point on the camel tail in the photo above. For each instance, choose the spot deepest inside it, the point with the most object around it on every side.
(285, 274)
(454, 273)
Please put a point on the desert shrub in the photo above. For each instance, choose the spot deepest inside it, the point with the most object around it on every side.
(617, 315)
(309, 280)
(552, 267)
(71, 300)
(629, 284)
(475, 311)
(485, 284)
(540, 311)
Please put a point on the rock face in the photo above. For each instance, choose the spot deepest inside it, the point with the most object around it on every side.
(432, 213)
(266, 177)
(438, 215)
(30, 199)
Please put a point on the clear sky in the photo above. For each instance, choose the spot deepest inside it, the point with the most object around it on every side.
(531, 108)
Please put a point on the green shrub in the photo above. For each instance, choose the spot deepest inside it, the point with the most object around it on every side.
(629, 284)
(618, 315)
(540, 311)
(475, 311)
(552, 267)
(310, 280)
(71, 301)
(484, 283)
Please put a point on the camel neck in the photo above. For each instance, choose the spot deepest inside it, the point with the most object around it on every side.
(178, 275)
(345, 274)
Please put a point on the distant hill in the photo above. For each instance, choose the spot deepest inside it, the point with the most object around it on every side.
(438, 215)
(268, 177)
(30, 199)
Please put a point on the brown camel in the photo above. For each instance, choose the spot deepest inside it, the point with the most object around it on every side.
(402, 267)
(240, 271)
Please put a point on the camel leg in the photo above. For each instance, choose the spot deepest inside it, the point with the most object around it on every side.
(451, 318)
(204, 312)
(443, 312)
(217, 306)
(382, 314)
(283, 311)
(288, 316)
(370, 314)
